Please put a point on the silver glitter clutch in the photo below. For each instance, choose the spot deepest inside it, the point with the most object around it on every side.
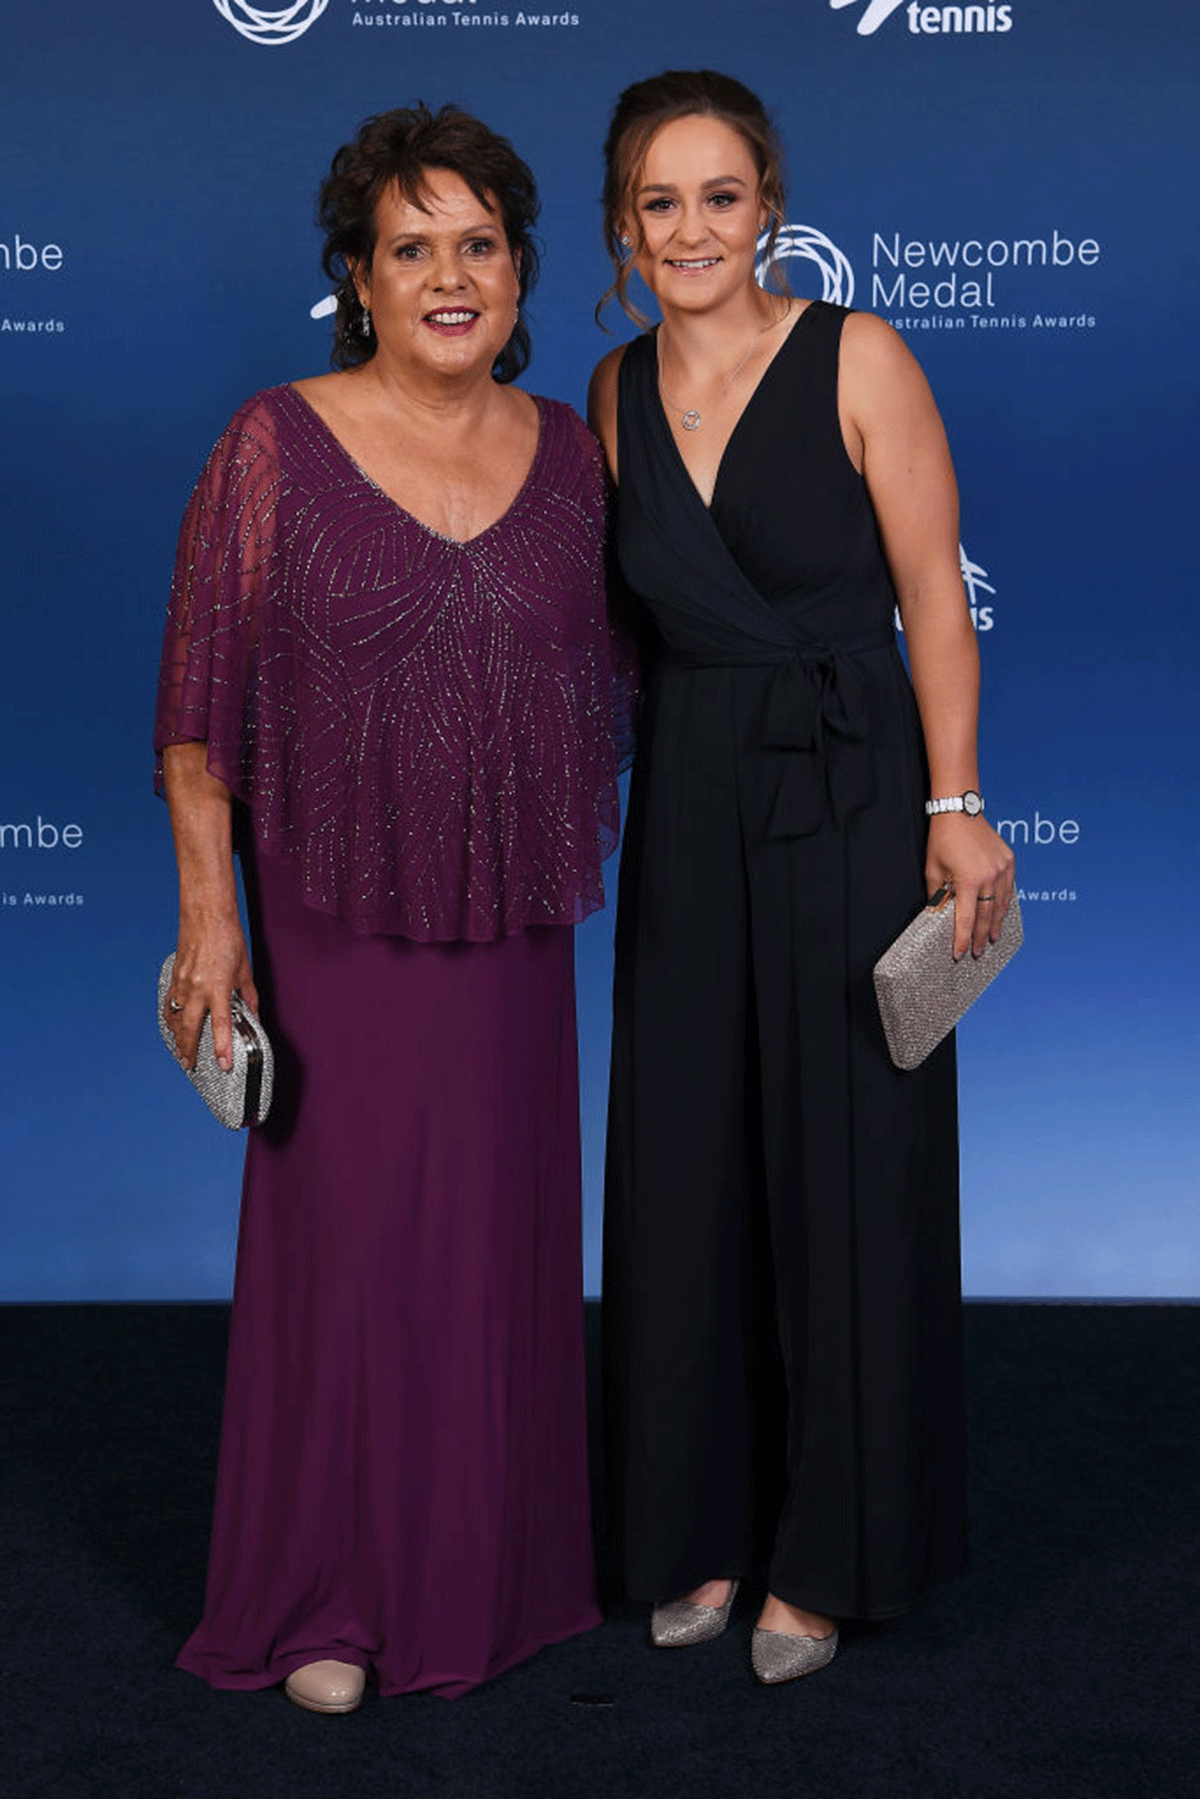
(922, 991)
(243, 1095)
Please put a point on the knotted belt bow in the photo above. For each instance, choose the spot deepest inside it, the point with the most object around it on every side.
(816, 717)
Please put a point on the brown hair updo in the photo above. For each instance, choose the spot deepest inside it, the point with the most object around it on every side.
(641, 111)
(398, 148)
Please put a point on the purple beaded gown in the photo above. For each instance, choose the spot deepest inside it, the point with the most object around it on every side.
(419, 734)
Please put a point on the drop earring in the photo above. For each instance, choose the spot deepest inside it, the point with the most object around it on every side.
(365, 322)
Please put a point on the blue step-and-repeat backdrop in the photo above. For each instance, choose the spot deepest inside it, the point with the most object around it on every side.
(1011, 185)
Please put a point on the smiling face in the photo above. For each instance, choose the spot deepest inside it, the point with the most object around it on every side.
(442, 286)
(696, 214)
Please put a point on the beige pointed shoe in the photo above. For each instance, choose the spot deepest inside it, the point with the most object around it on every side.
(326, 1686)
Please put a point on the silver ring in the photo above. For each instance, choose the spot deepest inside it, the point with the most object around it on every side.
(173, 1005)
(984, 899)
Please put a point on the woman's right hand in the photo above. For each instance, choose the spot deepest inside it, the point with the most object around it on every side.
(211, 961)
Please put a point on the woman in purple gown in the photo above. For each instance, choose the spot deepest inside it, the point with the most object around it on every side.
(387, 683)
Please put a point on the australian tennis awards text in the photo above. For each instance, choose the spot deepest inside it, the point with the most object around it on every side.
(410, 14)
(969, 273)
(47, 901)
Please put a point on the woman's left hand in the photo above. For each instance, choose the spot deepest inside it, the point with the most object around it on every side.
(969, 854)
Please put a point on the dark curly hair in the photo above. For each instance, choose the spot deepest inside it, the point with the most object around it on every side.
(641, 111)
(398, 148)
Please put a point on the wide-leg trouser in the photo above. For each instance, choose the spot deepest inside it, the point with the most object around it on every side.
(783, 1374)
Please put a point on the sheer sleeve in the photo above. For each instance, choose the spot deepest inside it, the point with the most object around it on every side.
(426, 729)
(626, 616)
(631, 635)
(207, 679)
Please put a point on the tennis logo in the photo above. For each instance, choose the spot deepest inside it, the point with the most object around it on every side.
(976, 583)
(271, 24)
(878, 11)
(805, 243)
(931, 21)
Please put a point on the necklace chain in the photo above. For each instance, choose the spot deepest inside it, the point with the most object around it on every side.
(690, 416)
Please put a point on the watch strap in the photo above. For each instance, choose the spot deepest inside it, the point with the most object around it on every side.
(969, 802)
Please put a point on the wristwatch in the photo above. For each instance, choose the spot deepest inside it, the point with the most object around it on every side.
(969, 802)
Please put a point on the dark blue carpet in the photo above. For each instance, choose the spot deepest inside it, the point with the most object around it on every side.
(1065, 1666)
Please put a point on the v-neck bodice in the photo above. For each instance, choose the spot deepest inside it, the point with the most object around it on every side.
(763, 382)
(421, 726)
(790, 529)
(360, 473)
(784, 572)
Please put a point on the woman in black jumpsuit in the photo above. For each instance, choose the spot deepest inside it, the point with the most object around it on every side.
(781, 1279)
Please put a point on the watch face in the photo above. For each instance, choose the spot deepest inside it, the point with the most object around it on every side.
(972, 804)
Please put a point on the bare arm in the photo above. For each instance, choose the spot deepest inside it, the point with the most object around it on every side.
(602, 404)
(892, 422)
(212, 958)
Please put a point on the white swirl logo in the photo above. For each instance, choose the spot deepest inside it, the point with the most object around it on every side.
(271, 24)
(811, 245)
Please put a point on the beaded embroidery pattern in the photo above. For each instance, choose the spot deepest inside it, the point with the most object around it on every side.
(425, 728)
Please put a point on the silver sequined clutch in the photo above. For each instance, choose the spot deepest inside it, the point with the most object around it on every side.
(922, 991)
(243, 1095)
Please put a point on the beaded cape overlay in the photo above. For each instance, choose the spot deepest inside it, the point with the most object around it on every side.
(425, 728)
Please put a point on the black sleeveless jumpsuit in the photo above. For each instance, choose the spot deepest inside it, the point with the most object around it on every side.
(782, 1330)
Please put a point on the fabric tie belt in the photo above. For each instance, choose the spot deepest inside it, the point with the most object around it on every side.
(816, 718)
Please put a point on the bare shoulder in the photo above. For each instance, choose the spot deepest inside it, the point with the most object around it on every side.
(602, 388)
(878, 371)
(872, 346)
(602, 402)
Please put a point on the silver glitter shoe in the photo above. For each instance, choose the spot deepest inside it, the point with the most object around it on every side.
(680, 1623)
(776, 1657)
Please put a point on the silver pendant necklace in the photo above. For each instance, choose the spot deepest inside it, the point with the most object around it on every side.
(691, 417)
